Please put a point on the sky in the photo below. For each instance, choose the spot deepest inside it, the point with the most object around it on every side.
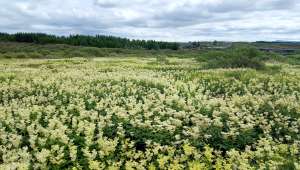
(167, 20)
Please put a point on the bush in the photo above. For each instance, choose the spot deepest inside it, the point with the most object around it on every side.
(35, 55)
(237, 62)
(6, 55)
(21, 55)
(239, 57)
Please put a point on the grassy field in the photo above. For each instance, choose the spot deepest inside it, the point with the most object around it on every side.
(145, 113)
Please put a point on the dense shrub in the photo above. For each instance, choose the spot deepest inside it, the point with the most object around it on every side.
(237, 57)
(68, 51)
(294, 60)
(238, 62)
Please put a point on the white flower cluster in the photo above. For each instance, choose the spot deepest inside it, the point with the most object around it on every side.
(134, 115)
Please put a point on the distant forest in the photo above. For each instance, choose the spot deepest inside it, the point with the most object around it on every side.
(100, 41)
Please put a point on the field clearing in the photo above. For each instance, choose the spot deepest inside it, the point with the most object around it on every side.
(137, 113)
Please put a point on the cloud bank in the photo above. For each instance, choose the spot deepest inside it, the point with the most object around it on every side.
(169, 20)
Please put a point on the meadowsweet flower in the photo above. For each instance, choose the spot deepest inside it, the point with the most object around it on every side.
(188, 150)
(43, 156)
(105, 116)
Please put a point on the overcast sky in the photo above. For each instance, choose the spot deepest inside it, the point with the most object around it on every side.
(170, 20)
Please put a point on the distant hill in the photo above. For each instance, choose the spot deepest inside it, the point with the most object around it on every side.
(282, 47)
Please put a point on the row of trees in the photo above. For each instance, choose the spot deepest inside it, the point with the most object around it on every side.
(100, 41)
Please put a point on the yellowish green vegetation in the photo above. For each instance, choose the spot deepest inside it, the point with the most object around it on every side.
(147, 113)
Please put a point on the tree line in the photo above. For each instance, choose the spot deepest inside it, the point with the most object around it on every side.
(100, 41)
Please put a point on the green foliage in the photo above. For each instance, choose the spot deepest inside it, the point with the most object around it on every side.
(236, 57)
(29, 50)
(100, 41)
(294, 59)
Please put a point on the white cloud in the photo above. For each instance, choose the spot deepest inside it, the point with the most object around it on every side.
(172, 20)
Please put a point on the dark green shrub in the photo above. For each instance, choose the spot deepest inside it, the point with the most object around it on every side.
(21, 55)
(6, 55)
(237, 62)
(211, 55)
(35, 55)
(294, 60)
(238, 57)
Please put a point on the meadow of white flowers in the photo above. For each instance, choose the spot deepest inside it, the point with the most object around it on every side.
(129, 114)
